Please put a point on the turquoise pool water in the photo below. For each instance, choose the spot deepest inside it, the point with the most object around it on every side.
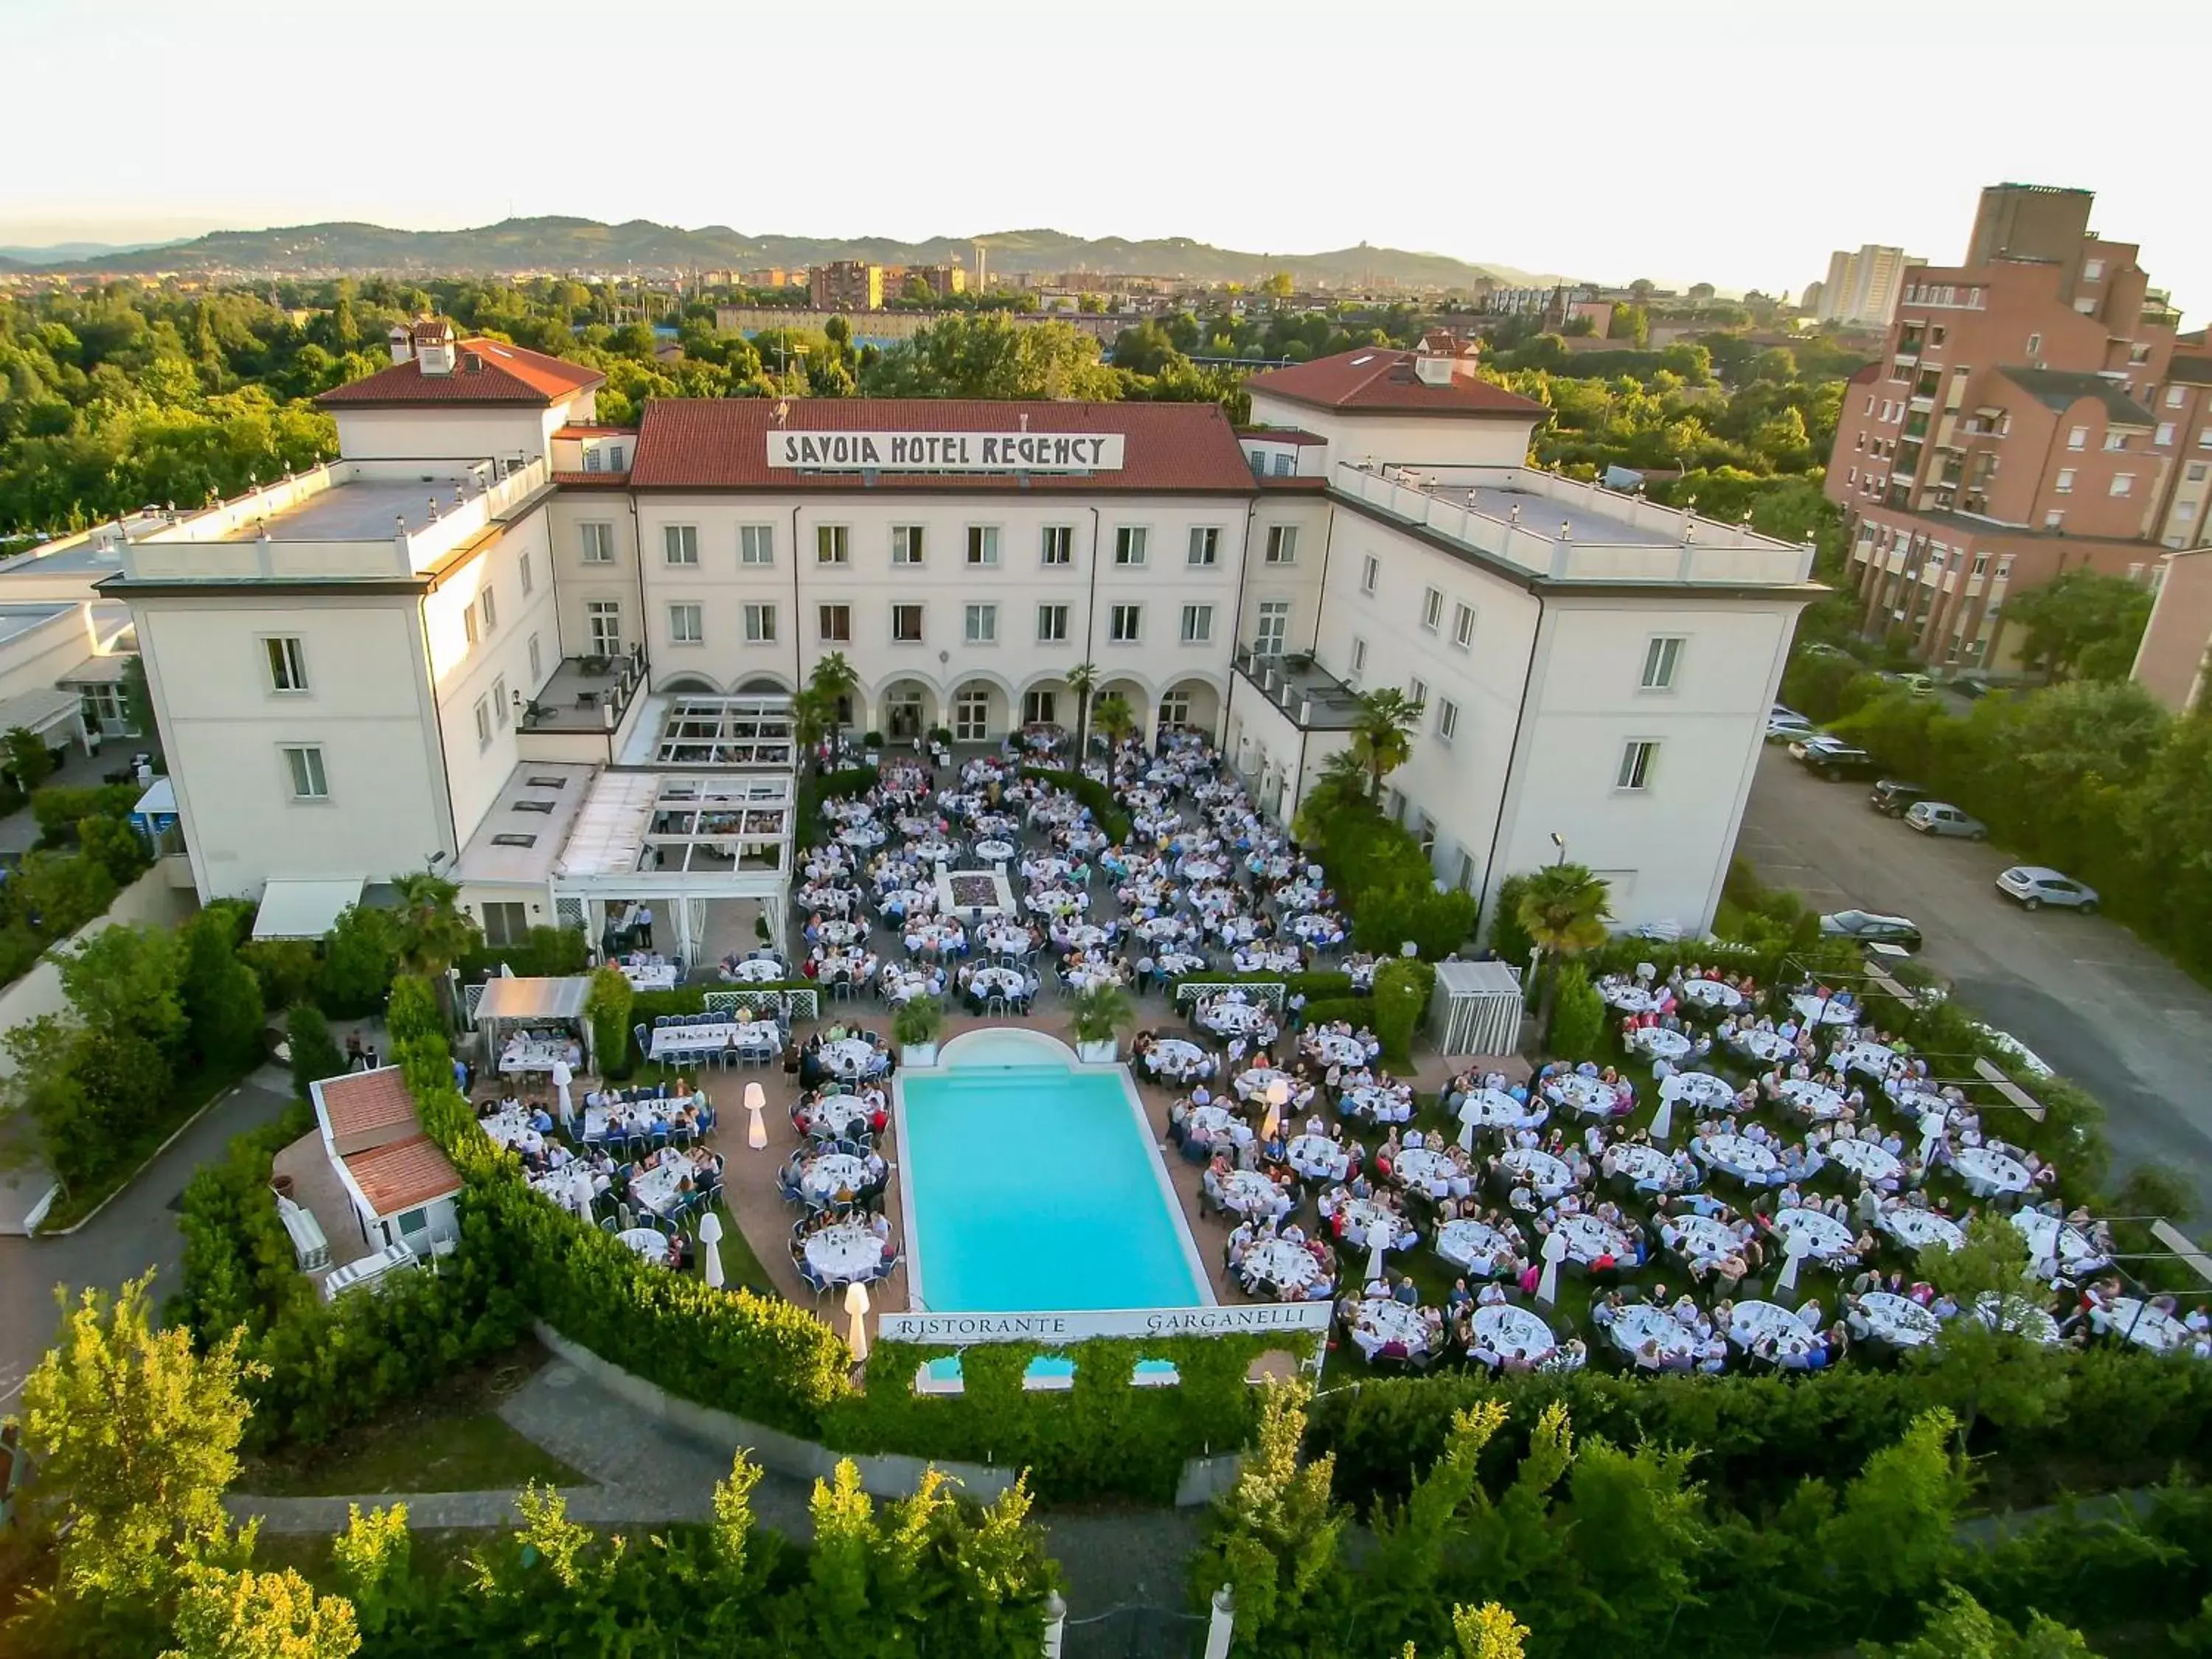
(1035, 1187)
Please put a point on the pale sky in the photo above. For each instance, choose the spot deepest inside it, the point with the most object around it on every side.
(1735, 142)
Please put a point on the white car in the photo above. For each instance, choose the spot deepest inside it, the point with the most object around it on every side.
(2036, 885)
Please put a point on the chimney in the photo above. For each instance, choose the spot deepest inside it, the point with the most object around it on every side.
(403, 344)
(433, 345)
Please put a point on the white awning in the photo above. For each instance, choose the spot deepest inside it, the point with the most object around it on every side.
(303, 909)
(43, 713)
(533, 998)
(160, 800)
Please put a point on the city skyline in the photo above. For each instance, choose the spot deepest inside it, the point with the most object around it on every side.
(1555, 183)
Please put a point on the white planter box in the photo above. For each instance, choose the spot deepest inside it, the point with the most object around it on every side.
(921, 1054)
(1097, 1053)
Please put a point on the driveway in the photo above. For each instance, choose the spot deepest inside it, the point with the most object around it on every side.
(2079, 991)
(136, 1231)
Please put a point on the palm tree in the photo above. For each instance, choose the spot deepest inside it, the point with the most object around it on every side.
(1101, 1012)
(1082, 679)
(1564, 910)
(809, 724)
(1116, 720)
(833, 681)
(1341, 781)
(1382, 734)
(434, 931)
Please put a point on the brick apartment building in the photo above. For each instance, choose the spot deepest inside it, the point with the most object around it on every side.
(846, 285)
(2034, 411)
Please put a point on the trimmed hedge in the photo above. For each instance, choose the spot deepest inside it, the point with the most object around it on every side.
(1092, 793)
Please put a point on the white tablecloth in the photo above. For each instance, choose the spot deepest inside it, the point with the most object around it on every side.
(1704, 1092)
(998, 982)
(1711, 993)
(842, 1254)
(1867, 1160)
(1382, 1320)
(1279, 1263)
(1157, 929)
(935, 936)
(1817, 1010)
(517, 1057)
(1006, 937)
(1701, 1238)
(1660, 1043)
(1360, 1214)
(1767, 1046)
(511, 1129)
(1512, 1333)
(2019, 1315)
(656, 1189)
(1586, 1095)
(852, 1057)
(1830, 1239)
(1985, 1170)
(1813, 1102)
(1248, 1192)
(841, 932)
(835, 1116)
(1475, 1247)
(2056, 1246)
(1549, 1176)
(1211, 1123)
(1316, 928)
(1921, 1228)
(1898, 1320)
(904, 902)
(1201, 869)
(754, 970)
(1319, 1158)
(1253, 1083)
(1589, 1238)
(1265, 959)
(1640, 1322)
(1736, 1154)
(1234, 1019)
(1176, 1058)
(1057, 901)
(1431, 1172)
(671, 1040)
(1627, 996)
(1639, 1163)
(652, 1246)
(830, 1173)
(1077, 935)
(1493, 1109)
(994, 852)
(1335, 1049)
(1868, 1056)
(2138, 1322)
(571, 1188)
(650, 976)
(1752, 1320)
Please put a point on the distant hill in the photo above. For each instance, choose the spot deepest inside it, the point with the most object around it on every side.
(57, 254)
(585, 246)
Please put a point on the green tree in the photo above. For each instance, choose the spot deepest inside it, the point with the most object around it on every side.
(260, 1615)
(833, 681)
(988, 356)
(1273, 1539)
(28, 758)
(1960, 1627)
(1382, 734)
(2082, 622)
(1116, 720)
(607, 1007)
(1993, 1365)
(221, 998)
(361, 955)
(1892, 1541)
(434, 931)
(1082, 680)
(1564, 910)
(315, 1053)
(136, 1436)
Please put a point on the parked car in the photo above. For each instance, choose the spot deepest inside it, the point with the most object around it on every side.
(2036, 885)
(1892, 797)
(1940, 817)
(1833, 759)
(1784, 723)
(1868, 927)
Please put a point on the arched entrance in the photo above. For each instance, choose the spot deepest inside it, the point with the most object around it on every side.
(1191, 703)
(697, 683)
(1134, 696)
(909, 709)
(762, 685)
(979, 710)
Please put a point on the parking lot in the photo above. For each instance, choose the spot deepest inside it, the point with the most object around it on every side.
(2077, 990)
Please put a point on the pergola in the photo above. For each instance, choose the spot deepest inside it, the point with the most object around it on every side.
(1477, 1009)
(712, 732)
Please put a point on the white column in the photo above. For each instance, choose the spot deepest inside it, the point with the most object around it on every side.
(1221, 1624)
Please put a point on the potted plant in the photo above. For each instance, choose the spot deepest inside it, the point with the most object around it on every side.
(1100, 1014)
(915, 1026)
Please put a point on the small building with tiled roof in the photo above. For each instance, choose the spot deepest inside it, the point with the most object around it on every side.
(1376, 402)
(443, 398)
(401, 1184)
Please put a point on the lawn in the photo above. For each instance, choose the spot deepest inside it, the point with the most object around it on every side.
(451, 1441)
(192, 1093)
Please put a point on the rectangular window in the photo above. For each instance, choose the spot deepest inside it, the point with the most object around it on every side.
(2114, 440)
(504, 923)
(303, 768)
(598, 542)
(522, 569)
(1636, 765)
(1197, 624)
(1125, 623)
(836, 624)
(760, 625)
(687, 625)
(536, 669)
(1052, 625)
(906, 625)
(982, 545)
(1661, 658)
(2123, 483)
(1463, 627)
(2034, 344)
(2204, 438)
(1282, 543)
(1358, 658)
(1417, 691)
(2093, 271)
(2064, 483)
(1129, 545)
(2176, 396)
(483, 722)
(1205, 544)
(489, 606)
(1432, 609)
(2052, 519)
(757, 544)
(499, 703)
(468, 623)
(983, 624)
(1370, 571)
(830, 542)
(2078, 438)
(906, 543)
(1274, 628)
(603, 619)
(1059, 544)
(2164, 433)
(288, 664)
(679, 543)
(1447, 720)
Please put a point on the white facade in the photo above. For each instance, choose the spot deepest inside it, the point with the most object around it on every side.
(474, 434)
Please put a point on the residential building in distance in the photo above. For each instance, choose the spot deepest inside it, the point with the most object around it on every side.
(942, 282)
(1860, 288)
(2033, 411)
(561, 670)
(2176, 652)
(846, 285)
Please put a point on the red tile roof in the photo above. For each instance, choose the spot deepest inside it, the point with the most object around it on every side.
(591, 480)
(401, 1174)
(572, 430)
(722, 443)
(1375, 378)
(1291, 482)
(1280, 434)
(364, 1101)
(502, 374)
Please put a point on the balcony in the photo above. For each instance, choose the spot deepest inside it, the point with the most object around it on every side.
(585, 694)
(1312, 698)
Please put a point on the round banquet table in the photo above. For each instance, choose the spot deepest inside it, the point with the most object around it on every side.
(1824, 1010)
(1704, 1091)
(838, 899)
(1175, 963)
(1640, 1322)
(1493, 1109)
(1213, 1123)
(1870, 1162)
(1711, 993)
(1660, 1043)
(1261, 960)
(1372, 1100)
(931, 849)
(842, 933)
(1703, 1238)
(1006, 938)
(1253, 1084)
(1737, 1155)
(851, 1057)
(1751, 1321)
(1090, 978)
(2055, 1245)
(1317, 929)
(997, 982)
(1159, 929)
(908, 902)
(1589, 1238)
(1827, 1239)
(1629, 998)
(1198, 869)
(1639, 1163)
(648, 1244)
(1361, 1215)
(1898, 1320)
(1585, 1094)
(1988, 1171)
(994, 852)
(2137, 1322)
(569, 1187)
(1281, 1264)
(1234, 1018)
(1175, 1057)
(1548, 1175)
(2018, 1315)
(862, 835)
(1868, 1056)
(900, 984)
(1335, 1049)
(1765, 1046)
(1505, 1329)
(1391, 1321)
(843, 1254)
(1319, 1158)
(1045, 868)
(1815, 1102)
(755, 970)
(831, 1173)
(1248, 1192)
(1078, 935)
(1431, 1171)
(1922, 1228)
(936, 936)
(834, 1117)
(1476, 1247)
(1056, 902)
(911, 823)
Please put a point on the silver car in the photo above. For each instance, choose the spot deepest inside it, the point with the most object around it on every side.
(2035, 885)
(1940, 817)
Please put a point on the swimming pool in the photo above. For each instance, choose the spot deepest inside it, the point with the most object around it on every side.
(1033, 1184)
